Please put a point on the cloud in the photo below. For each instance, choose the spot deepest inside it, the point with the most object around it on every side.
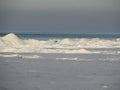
(61, 4)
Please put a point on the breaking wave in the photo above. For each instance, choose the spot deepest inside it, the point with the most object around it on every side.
(12, 43)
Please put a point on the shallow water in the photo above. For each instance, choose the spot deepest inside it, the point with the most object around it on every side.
(75, 57)
(51, 74)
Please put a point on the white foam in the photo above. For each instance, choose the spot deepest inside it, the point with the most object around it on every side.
(12, 39)
(11, 43)
(29, 57)
(67, 59)
(10, 55)
(21, 56)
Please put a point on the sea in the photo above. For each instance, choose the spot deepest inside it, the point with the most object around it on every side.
(54, 35)
(78, 47)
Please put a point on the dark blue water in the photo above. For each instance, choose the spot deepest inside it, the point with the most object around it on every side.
(64, 35)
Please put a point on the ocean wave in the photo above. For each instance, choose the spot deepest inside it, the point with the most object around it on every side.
(12, 43)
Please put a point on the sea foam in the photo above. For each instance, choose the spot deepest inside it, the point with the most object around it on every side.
(12, 39)
(12, 43)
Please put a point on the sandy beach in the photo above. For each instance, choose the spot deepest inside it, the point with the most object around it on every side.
(24, 74)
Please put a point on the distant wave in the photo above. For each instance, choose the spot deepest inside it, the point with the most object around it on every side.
(12, 43)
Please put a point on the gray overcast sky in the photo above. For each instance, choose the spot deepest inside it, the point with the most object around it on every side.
(60, 16)
(61, 4)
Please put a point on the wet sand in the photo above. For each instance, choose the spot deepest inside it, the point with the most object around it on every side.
(25, 74)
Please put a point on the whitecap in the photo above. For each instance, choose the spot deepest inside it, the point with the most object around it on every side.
(12, 43)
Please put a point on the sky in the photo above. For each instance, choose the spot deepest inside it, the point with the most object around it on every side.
(60, 16)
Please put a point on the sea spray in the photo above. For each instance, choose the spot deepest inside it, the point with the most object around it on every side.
(12, 43)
